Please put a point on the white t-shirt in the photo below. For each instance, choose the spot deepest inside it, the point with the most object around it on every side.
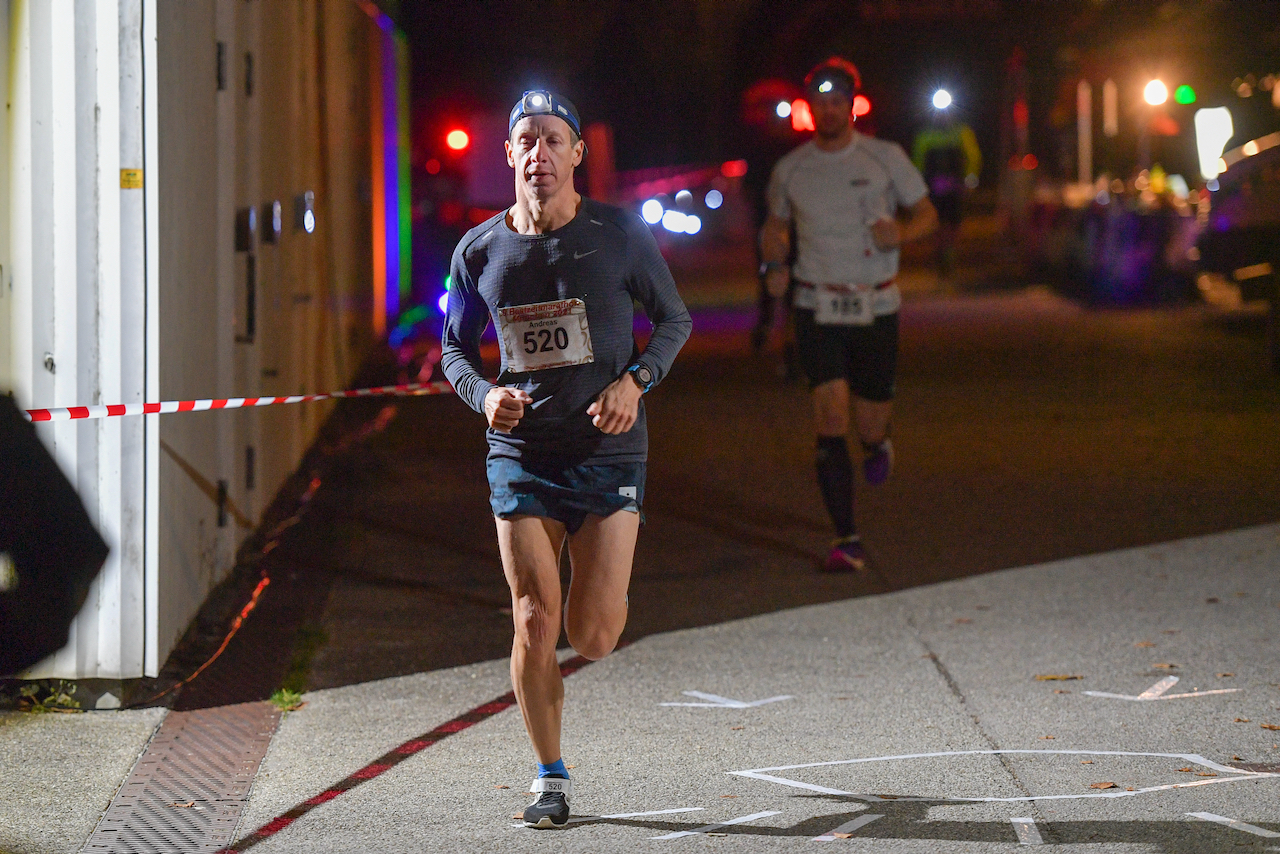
(834, 197)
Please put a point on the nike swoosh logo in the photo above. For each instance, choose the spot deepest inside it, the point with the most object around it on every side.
(578, 256)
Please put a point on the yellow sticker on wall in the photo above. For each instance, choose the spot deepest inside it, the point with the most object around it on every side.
(131, 179)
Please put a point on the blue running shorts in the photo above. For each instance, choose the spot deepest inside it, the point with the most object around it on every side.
(566, 494)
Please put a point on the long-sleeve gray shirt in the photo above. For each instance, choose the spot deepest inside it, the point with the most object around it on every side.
(606, 257)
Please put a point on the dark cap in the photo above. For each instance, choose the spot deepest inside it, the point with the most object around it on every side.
(544, 102)
(834, 75)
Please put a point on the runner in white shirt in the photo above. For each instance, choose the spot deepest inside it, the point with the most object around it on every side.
(854, 201)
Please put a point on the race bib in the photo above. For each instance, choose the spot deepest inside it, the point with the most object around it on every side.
(844, 305)
(545, 335)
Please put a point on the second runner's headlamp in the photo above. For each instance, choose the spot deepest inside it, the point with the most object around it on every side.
(544, 102)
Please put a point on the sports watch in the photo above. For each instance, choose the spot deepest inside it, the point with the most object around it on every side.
(642, 376)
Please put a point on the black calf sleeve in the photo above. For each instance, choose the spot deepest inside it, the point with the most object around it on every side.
(835, 479)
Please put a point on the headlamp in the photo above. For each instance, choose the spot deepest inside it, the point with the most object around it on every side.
(543, 102)
(824, 87)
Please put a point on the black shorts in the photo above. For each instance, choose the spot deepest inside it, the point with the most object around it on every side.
(950, 207)
(866, 356)
(567, 494)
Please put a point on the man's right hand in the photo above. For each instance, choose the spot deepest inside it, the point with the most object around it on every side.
(776, 280)
(504, 407)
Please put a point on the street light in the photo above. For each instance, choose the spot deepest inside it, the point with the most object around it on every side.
(941, 99)
(1156, 93)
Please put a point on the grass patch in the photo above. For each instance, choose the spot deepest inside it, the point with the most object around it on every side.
(288, 697)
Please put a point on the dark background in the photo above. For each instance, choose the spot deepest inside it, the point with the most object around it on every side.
(668, 75)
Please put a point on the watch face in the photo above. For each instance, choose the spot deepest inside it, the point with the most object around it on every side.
(644, 374)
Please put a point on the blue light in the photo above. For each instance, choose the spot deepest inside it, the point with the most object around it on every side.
(692, 224)
(651, 211)
(714, 199)
(673, 221)
(443, 303)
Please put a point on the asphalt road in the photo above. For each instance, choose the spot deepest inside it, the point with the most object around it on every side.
(1027, 429)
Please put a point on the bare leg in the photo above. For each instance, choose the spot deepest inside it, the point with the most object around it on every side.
(601, 553)
(872, 419)
(530, 548)
(831, 408)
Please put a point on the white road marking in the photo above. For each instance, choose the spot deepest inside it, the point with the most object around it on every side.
(1028, 833)
(714, 827)
(1157, 692)
(1235, 823)
(848, 827)
(718, 702)
(1236, 775)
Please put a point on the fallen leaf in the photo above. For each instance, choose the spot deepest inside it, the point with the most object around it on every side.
(1103, 786)
(1056, 677)
(1205, 774)
(571, 766)
(888, 797)
(1243, 720)
(842, 835)
(1212, 600)
(715, 834)
(737, 727)
(1224, 675)
(1237, 758)
(1046, 738)
(1128, 788)
(1164, 665)
(842, 698)
(1275, 727)
(186, 806)
(1185, 770)
(1144, 644)
(502, 787)
(1060, 691)
(518, 815)
(963, 620)
(1086, 761)
(728, 796)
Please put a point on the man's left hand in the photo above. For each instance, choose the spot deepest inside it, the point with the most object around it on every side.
(617, 407)
(886, 233)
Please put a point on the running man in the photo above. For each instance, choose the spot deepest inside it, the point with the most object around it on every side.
(557, 274)
(854, 200)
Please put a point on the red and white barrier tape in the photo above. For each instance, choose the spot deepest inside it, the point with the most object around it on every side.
(73, 413)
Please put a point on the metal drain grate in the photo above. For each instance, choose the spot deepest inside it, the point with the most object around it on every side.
(189, 787)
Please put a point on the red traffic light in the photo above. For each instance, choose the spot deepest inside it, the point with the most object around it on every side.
(457, 139)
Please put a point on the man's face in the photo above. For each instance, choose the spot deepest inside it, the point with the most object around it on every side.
(832, 113)
(542, 151)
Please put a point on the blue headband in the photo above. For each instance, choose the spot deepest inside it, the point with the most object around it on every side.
(544, 102)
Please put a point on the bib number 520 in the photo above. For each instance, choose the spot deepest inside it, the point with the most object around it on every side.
(546, 340)
(545, 335)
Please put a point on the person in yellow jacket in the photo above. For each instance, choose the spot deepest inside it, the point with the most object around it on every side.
(947, 155)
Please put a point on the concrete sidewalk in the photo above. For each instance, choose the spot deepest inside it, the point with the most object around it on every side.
(917, 716)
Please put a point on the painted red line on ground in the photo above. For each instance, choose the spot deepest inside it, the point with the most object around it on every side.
(368, 772)
(319, 799)
(452, 727)
(492, 708)
(390, 759)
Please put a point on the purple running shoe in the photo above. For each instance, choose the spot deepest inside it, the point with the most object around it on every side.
(878, 464)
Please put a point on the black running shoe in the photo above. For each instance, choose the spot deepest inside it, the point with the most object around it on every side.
(551, 808)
